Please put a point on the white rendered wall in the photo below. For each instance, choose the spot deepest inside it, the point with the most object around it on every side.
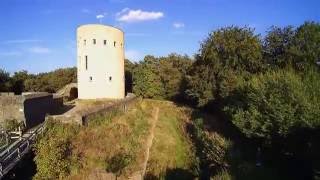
(104, 61)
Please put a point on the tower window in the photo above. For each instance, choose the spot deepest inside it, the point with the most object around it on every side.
(110, 78)
(105, 42)
(90, 78)
(85, 42)
(94, 41)
(114, 44)
(86, 62)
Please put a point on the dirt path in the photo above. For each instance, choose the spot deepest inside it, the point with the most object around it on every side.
(140, 174)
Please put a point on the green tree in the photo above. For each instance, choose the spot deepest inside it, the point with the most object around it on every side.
(306, 45)
(17, 81)
(53, 151)
(51, 81)
(271, 106)
(277, 44)
(4, 79)
(225, 55)
(147, 82)
(129, 68)
(173, 70)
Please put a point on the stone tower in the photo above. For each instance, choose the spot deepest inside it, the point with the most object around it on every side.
(100, 51)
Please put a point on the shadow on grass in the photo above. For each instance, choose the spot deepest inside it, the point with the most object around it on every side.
(173, 174)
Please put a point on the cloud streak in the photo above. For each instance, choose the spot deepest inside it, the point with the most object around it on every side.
(10, 53)
(178, 25)
(130, 16)
(20, 41)
(39, 50)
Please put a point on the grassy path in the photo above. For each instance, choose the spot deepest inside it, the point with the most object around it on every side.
(140, 174)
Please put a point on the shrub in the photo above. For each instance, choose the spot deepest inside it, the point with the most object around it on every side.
(118, 162)
(270, 106)
(213, 149)
(222, 175)
(54, 151)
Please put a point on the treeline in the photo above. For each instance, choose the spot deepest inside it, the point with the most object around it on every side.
(268, 87)
(22, 81)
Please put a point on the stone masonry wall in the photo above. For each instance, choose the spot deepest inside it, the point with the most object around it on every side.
(28, 108)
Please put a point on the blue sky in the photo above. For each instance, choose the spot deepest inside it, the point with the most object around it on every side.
(39, 35)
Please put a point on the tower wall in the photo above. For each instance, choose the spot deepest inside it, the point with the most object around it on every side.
(100, 51)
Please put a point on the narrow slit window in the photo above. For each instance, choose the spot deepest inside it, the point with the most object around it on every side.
(110, 78)
(94, 41)
(90, 78)
(105, 42)
(114, 44)
(86, 62)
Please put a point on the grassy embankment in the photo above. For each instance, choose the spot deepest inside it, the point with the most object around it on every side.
(172, 154)
(115, 144)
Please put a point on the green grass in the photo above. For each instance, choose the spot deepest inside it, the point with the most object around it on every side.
(171, 154)
(109, 144)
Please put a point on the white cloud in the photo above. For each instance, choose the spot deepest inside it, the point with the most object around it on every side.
(128, 15)
(133, 55)
(39, 50)
(20, 41)
(100, 16)
(178, 25)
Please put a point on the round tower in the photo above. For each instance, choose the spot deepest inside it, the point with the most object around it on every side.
(100, 51)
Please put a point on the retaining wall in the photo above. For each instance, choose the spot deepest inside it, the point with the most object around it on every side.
(29, 108)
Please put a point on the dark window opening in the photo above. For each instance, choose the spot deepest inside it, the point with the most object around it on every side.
(114, 44)
(90, 78)
(110, 78)
(94, 41)
(86, 62)
(105, 42)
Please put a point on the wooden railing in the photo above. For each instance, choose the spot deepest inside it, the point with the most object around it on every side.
(13, 154)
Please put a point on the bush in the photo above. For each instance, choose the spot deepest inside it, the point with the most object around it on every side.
(53, 151)
(213, 149)
(272, 105)
(222, 175)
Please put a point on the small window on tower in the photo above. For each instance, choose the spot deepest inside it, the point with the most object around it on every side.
(114, 44)
(86, 62)
(110, 78)
(94, 41)
(90, 78)
(105, 42)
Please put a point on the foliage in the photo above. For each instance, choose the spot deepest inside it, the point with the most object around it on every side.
(52, 81)
(147, 83)
(306, 45)
(4, 79)
(222, 175)
(128, 67)
(53, 151)
(271, 105)
(298, 47)
(17, 81)
(277, 46)
(213, 149)
(160, 78)
(118, 162)
(224, 55)
(12, 124)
